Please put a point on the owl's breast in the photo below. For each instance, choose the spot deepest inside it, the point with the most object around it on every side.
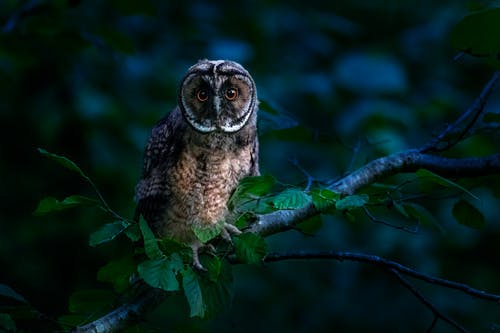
(202, 181)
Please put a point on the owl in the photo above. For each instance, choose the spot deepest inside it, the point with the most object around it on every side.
(198, 153)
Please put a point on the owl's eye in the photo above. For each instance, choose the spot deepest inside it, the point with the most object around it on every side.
(231, 94)
(202, 95)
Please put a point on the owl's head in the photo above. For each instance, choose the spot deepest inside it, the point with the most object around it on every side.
(217, 95)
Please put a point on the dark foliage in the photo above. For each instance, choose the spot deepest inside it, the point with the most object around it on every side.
(342, 83)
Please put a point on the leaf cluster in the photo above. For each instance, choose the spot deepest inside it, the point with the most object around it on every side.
(167, 263)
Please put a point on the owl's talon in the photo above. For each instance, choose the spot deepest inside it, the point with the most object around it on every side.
(196, 257)
(229, 230)
(197, 265)
(197, 248)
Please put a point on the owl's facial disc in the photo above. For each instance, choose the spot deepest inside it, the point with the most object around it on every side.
(217, 96)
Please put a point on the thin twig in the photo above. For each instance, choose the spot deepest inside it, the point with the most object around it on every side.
(104, 203)
(433, 324)
(426, 302)
(475, 110)
(398, 227)
(299, 167)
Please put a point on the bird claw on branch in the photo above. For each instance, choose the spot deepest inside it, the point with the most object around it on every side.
(229, 230)
(197, 248)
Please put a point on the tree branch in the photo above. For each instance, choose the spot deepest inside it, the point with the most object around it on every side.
(437, 314)
(387, 264)
(454, 131)
(127, 314)
(408, 161)
(411, 160)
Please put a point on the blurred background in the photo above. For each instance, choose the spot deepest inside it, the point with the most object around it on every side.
(342, 83)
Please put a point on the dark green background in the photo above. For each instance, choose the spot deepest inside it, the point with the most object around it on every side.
(89, 79)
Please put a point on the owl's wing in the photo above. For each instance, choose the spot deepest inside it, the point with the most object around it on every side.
(254, 168)
(162, 148)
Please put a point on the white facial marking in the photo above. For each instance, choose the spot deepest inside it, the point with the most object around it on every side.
(217, 104)
(217, 63)
(228, 128)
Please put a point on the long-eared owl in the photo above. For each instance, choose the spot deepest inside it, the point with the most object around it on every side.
(198, 153)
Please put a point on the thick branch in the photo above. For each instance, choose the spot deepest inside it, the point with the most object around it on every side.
(126, 314)
(412, 160)
(281, 220)
(407, 161)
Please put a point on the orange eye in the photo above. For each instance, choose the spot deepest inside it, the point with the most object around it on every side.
(231, 94)
(202, 95)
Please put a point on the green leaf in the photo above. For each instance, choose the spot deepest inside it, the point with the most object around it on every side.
(291, 198)
(192, 291)
(107, 232)
(477, 34)
(64, 161)
(428, 175)
(244, 220)
(247, 196)
(206, 232)
(217, 295)
(50, 204)
(400, 208)
(150, 243)
(118, 272)
(133, 232)
(351, 202)
(207, 296)
(468, 215)
(311, 225)
(161, 273)
(169, 246)
(421, 214)
(90, 301)
(6, 291)
(324, 200)
(6, 323)
(253, 186)
(250, 248)
(252, 207)
(213, 265)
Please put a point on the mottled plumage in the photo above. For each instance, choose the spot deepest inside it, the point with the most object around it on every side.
(198, 153)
